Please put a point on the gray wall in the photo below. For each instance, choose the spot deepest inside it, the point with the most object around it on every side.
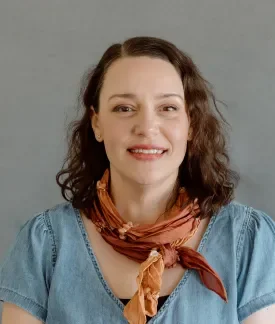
(45, 46)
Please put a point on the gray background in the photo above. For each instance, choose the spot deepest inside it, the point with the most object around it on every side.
(46, 46)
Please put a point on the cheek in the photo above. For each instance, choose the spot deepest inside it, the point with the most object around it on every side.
(110, 129)
(110, 147)
(178, 133)
(114, 137)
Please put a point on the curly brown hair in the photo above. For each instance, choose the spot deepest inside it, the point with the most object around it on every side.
(205, 172)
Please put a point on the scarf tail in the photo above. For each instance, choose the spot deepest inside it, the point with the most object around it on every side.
(145, 300)
(191, 259)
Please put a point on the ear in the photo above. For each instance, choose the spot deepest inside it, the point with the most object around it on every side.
(95, 123)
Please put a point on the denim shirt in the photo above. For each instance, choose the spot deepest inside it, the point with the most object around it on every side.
(52, 272)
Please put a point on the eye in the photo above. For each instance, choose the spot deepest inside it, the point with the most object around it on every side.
(123, 109)
(169, 108)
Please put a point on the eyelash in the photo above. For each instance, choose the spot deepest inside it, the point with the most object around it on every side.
(117, 109)
(174, 108)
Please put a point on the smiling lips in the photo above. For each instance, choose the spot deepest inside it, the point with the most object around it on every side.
(147, 152)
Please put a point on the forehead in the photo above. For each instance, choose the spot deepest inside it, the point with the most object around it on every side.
(140, 75)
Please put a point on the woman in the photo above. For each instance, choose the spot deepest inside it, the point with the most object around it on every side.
(150, 229)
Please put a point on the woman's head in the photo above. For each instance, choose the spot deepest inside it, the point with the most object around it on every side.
(141, 105)
(147, 93)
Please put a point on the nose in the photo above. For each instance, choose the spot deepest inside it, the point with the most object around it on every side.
(146, 124)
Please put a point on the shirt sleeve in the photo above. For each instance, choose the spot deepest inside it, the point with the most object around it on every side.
(256, 264)
(26, 271)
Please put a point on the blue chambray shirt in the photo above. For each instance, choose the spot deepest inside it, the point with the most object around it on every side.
(52, 272)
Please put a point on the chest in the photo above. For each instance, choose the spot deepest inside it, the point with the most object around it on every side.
(120, 272)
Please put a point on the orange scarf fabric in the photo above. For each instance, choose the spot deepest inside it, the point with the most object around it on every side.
(156, 247)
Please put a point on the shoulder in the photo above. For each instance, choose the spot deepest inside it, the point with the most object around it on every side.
(47, 228)
(254, 232)
(250, 232)
(234, 211)
(62, 223)
(52, 218)
(61, 210)
(28, 265)
(246, 221)
(248, 235)
(38, 234)
(249, 224)
(256, 239)
(37, 241)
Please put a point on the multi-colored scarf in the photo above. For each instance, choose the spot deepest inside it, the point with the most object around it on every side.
(156, 246)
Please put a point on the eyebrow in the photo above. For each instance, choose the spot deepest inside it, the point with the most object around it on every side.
(133, 96)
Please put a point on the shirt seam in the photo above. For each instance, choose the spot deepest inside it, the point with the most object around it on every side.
(48, 224)
(240, 240)
(254, 300)
(31, 300)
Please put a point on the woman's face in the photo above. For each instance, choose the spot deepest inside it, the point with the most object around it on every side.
(142, 119)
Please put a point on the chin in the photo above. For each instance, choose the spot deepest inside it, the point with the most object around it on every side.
(147, 178)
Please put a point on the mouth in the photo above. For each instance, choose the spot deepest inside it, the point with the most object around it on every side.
(147, 154)
(143, 151)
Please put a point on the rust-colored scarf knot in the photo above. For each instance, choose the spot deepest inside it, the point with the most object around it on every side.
(156, 247)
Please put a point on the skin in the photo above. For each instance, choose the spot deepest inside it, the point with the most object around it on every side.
(141, 189)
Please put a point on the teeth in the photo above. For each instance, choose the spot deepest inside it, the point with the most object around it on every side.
(147, 151)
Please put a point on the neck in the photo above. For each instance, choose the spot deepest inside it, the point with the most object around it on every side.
(142, 204)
